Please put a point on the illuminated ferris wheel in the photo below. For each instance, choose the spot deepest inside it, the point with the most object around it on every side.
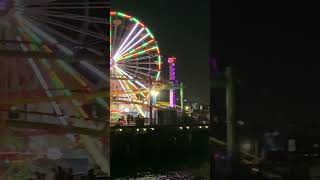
(54, 57)
(135, 58)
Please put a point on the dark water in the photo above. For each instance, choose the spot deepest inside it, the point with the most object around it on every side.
(156, 156)
(199, 174)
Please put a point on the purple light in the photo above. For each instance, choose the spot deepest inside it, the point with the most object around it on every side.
(173, 96)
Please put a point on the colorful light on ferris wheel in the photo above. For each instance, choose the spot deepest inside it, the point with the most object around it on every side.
(135, 59)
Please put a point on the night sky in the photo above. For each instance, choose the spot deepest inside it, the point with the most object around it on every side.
(182, 30)
(274, 48)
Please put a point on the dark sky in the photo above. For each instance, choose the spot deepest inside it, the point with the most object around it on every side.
(182, 30)
(274, 47)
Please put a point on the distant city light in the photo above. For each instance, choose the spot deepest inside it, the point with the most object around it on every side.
(180, 127)
(138, 129)
(187, 127)
(120, 130)
(152, 129)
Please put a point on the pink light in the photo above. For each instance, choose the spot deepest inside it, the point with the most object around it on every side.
(172, 71)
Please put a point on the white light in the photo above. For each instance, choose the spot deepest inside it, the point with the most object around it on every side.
(124, 48)
(122, 53)
(144, 129)
(206, 127)
(120, 129)
(138, 129)
(200, 127)
(187, 127)
(180, 127)
(125, 41)
(126, 110)
(154, 92)
(152, 129)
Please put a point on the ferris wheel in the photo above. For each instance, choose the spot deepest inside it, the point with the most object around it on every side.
(67, 30)
(80, 25)
(135, 60)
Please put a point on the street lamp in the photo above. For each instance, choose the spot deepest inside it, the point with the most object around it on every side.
(153, 98)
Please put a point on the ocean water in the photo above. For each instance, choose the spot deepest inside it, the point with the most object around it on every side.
(162, 176)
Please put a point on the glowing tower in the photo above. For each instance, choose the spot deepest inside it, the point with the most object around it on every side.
(172, 74)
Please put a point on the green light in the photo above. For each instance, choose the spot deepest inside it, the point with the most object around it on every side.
(150, 34)
(135, 20)
(133, 50)
(121, 14)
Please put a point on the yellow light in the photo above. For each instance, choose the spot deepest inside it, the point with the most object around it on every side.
(154, 93)
(206, 127)
(187, 107)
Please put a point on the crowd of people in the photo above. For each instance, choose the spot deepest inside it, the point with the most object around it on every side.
(60, 173)
(130, 119)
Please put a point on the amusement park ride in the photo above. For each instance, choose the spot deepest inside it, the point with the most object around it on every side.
(53, 85)
(135, 67)
(54, 79)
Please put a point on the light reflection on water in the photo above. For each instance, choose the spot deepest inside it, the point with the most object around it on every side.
(164, 176)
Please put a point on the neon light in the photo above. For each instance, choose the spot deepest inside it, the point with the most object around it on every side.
(149, 32)
(137, 44)
(172, 74)
(138, 48)
(138, 53)
(124, 15)
(120, 48)
(145, 44)
(124, 48)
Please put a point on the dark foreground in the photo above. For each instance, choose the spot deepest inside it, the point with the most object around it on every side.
(160, 153)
